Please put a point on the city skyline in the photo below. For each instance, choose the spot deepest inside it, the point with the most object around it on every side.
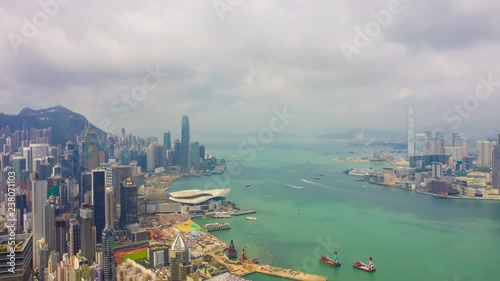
(249, 140)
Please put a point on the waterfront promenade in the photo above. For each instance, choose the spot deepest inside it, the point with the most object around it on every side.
(242, 269)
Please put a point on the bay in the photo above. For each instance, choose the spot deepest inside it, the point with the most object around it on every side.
(410, 236)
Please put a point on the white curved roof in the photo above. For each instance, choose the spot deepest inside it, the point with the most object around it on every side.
(196, 196)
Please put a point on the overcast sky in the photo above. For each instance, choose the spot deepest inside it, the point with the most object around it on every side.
(231, 62)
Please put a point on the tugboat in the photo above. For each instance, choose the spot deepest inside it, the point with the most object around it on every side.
(330, 262)
(368, 268)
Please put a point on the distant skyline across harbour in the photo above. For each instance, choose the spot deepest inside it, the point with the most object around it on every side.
(220, 133)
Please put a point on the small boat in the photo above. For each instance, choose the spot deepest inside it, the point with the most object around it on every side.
(251, 218)
(368, 268)
(329, 262)
(248, 185)
(300, 187)
(317, 178)
(321, 175)
(255, 232)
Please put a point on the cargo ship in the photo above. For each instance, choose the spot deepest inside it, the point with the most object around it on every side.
(329, 262)
(365, 267)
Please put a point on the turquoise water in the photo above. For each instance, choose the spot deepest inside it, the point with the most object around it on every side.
(410, 236)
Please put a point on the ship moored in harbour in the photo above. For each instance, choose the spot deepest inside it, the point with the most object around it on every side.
(370, 267)
(360, 173)
(330, 262)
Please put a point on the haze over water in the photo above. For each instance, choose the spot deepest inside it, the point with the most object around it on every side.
(409, 235)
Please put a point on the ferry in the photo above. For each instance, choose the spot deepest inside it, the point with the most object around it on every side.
(251, 218)
(368, 268)
(329, 262)
(217, 226)
(359, 173)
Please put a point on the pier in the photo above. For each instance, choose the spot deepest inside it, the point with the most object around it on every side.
(242, 269)
(287, 273)
(245, 212)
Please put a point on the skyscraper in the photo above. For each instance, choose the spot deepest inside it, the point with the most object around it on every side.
(437, 170)
(195, 152)
(464, 143)
(128, 202)
(177, 152)
(18, 165)
(38, 199)
(180, 262)
(108, 238)
(185, 144)
(484, 153)
(420, 140)
(455, 139)
(120, 173)
(74, 237)
(496, 165)
(411, 132)
(439, 134)
(434, 146)
(167, 140)
(98, 194)
(50, 223)
(150, 158)
(90, 149)
(61, 245)
(85, 186)
(87, 233)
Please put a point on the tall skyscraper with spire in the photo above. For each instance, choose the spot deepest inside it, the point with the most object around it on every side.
(411, 132)
(185, 144)
(180, 262)
(108, 239)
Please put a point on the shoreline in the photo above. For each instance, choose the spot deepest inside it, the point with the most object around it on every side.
(434, 195)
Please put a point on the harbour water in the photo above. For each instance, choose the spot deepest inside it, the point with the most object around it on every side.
(410, 236)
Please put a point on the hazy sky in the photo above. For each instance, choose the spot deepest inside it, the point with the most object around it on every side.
(231, 62)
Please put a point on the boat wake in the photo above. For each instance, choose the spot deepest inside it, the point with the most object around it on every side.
(326, 186)
(286, 184)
